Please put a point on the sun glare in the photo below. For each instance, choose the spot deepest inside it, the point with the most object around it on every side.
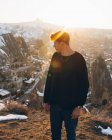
(68, 13)
(74, 13)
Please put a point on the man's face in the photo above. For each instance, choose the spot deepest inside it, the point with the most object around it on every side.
(57, 46)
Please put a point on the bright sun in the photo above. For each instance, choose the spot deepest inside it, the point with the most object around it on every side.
(72, 13)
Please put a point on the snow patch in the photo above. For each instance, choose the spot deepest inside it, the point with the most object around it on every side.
(40, 94)
(3, 52)
(27, 100)
(109, 59)
(89, 93)
(30, 80)
(13, 117)
(2, 106)
(4, 92)
(88, 104)
(2, 41)
(4, 29)
(107, 131)
(111, 76)
(86, 109)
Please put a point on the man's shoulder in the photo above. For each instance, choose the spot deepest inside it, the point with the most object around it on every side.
(78, 54)
(56, 54)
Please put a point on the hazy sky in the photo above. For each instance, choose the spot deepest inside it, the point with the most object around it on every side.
(77, 13)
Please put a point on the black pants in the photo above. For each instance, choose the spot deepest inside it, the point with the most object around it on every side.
(57, 116)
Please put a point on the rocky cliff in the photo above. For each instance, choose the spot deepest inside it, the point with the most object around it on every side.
(13, 49)
(101, 82)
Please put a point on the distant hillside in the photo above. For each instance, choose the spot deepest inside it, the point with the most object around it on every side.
(28, 30)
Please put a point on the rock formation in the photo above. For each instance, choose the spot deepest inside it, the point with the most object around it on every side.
(101, 82)
(14, 49)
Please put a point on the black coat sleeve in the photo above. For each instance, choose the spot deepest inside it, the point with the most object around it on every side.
(48, 84)
(82, 81)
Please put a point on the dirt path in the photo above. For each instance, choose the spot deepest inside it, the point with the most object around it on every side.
(37, 127)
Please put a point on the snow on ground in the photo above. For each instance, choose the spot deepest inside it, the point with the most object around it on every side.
(1, 41)
(40, 94)
(3, 52)
(31, 89)
(111, 76)
(4, 29)
(88, 104)
(36, 60)
(2, 106)
(109, 59)
(30, 80)
(4, 92)
(89, 93)
(13, 117)
(107, 131)
(86, 109)
(27, 100)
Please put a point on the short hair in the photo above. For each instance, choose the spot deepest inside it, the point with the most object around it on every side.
(60, 36)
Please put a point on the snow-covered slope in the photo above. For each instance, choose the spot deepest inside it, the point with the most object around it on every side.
(28, 30)
(39, 29)
(23, 30)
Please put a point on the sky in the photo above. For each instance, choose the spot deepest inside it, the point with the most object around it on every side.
(68, 13)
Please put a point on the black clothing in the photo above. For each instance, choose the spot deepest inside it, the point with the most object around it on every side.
(67, 81)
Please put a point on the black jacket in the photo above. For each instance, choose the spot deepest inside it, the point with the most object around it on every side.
(67, 81)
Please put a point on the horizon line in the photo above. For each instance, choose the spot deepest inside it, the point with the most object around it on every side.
(47, 22)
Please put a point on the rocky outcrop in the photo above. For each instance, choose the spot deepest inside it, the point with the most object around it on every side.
(101, 83)
(15, 48)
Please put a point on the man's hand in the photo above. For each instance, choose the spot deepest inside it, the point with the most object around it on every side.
(76, 113)
(46, 107)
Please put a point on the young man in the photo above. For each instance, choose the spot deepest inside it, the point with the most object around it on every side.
(66, 87)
